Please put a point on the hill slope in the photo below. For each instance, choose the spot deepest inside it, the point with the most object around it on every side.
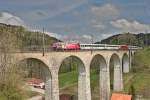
(26, 39)
(129, 39)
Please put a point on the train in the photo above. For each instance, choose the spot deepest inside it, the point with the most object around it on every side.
(80, 46)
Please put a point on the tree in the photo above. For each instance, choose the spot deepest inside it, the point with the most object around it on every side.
(127, 38)
(132, 91)
(10, 74)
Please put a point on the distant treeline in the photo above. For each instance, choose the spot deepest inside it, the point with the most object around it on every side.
(142, 39)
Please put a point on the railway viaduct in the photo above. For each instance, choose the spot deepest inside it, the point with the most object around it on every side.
(53, 60)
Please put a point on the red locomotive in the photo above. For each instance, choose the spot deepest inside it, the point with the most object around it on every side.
(66, 46)
(124, 47)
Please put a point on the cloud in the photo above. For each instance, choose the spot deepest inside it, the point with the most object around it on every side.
(107, 10)
(96, 24)
(29, 2)
(51, 9)
(57, 36)
(35, 15)
(51, 34)
(102, 15)
(11, 19)
(130, 26)
(84, 38)
(89, 37)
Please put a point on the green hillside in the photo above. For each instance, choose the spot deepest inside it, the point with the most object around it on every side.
(26, 40)
(129, 39)
(139, 77)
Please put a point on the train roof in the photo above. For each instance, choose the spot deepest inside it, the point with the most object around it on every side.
(67, 42)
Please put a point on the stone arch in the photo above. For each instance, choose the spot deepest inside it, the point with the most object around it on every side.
(81, 77)
(48, 76)
(115, 73)
(125, 63)
(102, 73)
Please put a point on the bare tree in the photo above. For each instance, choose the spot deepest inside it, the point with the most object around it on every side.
(9, 73)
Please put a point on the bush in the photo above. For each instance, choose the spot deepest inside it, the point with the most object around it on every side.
(11, 94)
(132, 91)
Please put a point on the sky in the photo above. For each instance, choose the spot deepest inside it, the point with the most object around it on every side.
(78, 20)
